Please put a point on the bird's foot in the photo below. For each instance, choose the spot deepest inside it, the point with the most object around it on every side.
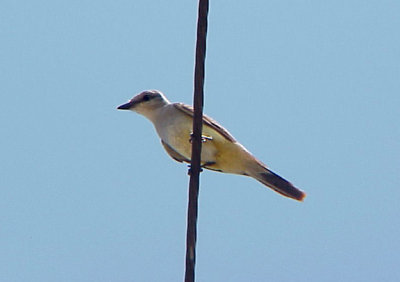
(190, 169)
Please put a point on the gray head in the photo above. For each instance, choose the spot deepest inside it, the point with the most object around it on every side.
(146, 102)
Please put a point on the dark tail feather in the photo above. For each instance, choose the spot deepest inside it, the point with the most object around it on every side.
(280, 185)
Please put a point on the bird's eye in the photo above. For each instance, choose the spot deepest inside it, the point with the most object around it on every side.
(146, 98)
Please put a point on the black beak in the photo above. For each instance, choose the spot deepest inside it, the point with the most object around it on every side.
(126, 106)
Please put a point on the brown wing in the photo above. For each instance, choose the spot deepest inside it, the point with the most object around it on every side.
(206, 120)
(174, 154)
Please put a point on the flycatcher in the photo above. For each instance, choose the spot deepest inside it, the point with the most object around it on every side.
(220, 150)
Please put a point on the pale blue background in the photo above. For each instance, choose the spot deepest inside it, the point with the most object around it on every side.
(87, 193)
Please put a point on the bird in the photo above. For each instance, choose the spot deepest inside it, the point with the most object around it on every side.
(220, 152)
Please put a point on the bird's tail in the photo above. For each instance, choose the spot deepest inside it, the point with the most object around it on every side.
(277, 183)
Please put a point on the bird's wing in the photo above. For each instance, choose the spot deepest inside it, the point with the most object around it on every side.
(206, 120)
(174, 154)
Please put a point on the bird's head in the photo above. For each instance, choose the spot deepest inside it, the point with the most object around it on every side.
(146, 103)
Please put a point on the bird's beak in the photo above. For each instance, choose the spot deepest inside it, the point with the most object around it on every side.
(126, 106)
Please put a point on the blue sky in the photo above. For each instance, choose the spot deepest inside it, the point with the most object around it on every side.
(311, 88)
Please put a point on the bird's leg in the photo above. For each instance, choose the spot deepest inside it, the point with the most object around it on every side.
(204, 138)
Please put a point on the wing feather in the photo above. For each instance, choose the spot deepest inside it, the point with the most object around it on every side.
(174, 154)
(206, 120)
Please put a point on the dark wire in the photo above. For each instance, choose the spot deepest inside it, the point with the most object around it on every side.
(195, 167)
